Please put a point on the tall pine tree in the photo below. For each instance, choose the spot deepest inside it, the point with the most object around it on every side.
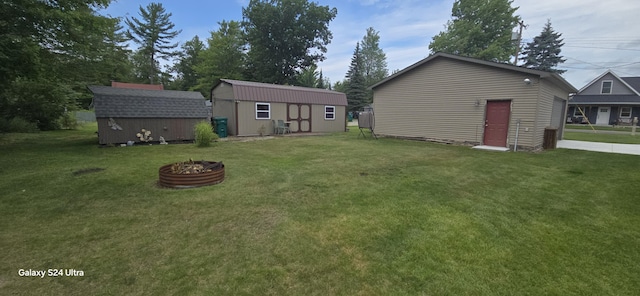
(355, 89)
(153, 33)
(308, 77)
(543, 53)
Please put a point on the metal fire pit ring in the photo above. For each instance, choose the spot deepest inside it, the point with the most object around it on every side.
(171, 180)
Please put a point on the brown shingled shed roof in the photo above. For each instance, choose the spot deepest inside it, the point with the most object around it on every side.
(264, 92)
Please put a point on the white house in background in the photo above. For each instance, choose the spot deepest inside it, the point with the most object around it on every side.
(607, 100)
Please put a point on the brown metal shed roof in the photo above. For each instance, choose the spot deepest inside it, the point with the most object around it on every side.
(264, 92)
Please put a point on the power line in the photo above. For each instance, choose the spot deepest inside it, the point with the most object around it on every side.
(584, 62)
(597, 47)
(598, 67)
(602, 64)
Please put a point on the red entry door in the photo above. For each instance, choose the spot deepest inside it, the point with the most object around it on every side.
(496, 126)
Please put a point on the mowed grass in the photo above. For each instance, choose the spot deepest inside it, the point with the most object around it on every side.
(322, 215)
(619, 128)
(602, 137)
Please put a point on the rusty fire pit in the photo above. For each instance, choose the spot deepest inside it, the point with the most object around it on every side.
(191, 174)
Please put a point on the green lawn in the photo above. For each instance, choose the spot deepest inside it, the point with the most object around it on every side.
(600, 128)
(324, 215)
(601, 137)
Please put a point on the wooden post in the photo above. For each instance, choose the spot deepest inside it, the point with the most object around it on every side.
(635, 124)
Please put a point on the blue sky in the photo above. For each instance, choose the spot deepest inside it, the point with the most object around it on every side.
(599, 35)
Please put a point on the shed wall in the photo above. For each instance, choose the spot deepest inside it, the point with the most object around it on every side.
(438, 101)
(226, 108)
(223, 104)
(320, 125)
(172, 129)
(226, 104)
(248, 125)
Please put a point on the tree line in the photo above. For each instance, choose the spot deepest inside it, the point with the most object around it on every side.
(51, 50)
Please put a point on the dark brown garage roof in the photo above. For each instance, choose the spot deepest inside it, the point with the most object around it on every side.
(264, 92)
(144, 103)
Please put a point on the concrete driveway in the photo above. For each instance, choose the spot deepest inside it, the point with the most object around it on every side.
(600, 147)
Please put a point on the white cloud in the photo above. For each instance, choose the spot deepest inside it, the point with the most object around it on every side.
(405, 29)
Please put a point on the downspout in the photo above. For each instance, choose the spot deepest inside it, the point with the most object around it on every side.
(236, 115)
(515, 145)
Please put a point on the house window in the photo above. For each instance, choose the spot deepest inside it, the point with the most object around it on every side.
(329, 112)
(625, 112)
(263, 111)
(576, 112)
(606, 87)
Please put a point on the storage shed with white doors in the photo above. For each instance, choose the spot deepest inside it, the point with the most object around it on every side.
(253, 108)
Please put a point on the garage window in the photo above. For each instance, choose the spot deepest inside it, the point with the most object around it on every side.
(329, 112)
(263, 111)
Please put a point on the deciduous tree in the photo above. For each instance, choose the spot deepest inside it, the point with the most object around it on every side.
(184, 68)
(49, 52)
(374, 60)
(479, 29)
(224, 57)
(285, 37)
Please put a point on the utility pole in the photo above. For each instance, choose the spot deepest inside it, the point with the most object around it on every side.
(522, 26)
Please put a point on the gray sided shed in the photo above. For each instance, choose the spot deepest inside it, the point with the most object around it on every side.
(122, 113)
(252, 107)
(453, 99)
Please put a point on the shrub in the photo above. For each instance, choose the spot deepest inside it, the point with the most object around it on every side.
(21, 125)
(68, 121)
(204, 134)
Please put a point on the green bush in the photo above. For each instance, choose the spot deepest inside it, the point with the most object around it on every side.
(18, 125)
(68, 121)
(204, 134)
